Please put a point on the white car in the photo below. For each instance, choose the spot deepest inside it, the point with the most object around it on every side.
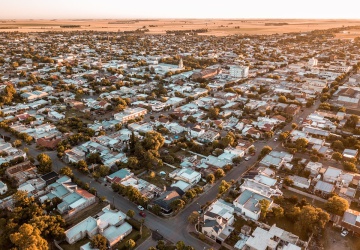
(247, 158)
(275, 139)
(344, 233)
(140, 208)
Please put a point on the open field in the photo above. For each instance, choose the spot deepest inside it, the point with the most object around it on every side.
(218, 27)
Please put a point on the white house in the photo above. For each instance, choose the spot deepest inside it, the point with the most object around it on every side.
(300, 182)
(109, 223)
(3, 187)
(187, 175)
(248, 204)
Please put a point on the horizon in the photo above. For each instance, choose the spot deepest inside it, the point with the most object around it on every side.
(187, 9)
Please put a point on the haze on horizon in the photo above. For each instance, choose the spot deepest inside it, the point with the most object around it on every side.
(117, 9)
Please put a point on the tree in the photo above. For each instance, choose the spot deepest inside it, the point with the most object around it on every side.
(282, 99)
(98, 241)
(312, 219)
(264, 206)
(278, 212)
(45, 163)
(193, 217)
(210, 178)
(301, 143)
(66, 171)
(130, 244)
(337, 156)
(288, 181)
(224, 186)
(265, 150)
(337, 205)
(51, 227)
(284, 135)
(82, 166)
(219, 173)
(130, 213)
(352, 121)
(28, 237)
(338, 145)
(294, 125)
(213, 113)
(17, 143)
(153, 141)
(349, 166)
(180, 245)
(177, 205)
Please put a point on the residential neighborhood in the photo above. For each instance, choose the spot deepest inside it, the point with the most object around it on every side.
(140, 141)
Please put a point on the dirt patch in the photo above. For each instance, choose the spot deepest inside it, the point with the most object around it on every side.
(334, 241)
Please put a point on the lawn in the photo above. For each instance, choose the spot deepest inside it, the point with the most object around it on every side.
(89, 211)
(75, 246)
(315, 203)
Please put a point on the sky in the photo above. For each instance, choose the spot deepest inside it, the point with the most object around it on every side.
(119, 9)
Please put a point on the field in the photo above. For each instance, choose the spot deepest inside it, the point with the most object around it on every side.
(217, 27)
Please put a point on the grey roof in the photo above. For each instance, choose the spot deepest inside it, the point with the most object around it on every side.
(349, 218)
(324, 187)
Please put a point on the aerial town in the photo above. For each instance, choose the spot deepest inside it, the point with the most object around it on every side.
(128, 140)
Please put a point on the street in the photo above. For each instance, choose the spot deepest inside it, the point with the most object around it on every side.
(174, 228)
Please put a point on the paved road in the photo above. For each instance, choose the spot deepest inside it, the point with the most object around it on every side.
(175, 228)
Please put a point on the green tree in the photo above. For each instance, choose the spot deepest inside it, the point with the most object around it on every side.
(282, 99)
(45, 163)
(99, 241)
(265, 150)
(210, 178)
(180, 245)
(349, 166)
(213, 113)
(130, 244)
(51, 227)
(352, 121)
(177, 205)
(288, 181)
(338, 145)
(337, 156)
(219, 173)
(17, 143)
(301, 143)
(66, 171)
(337, 205)
(153, 141)
(193, 217)
(278, 212)
(224, 186)
(264, 207)
(28, 237)
(130, 213)
(312, 219)
(82, 166)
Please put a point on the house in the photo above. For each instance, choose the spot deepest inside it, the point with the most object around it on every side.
(324, 188)
(300, 182)
(165, 199)
(350, 153)
(109, 223)
(332, 175)
(248, 204)
(21, 172)
(270, 160)
(187, 175)
(313, 167)
(275, 238)
(208, 136)
(351, 221)
(3, 188)
(129, 114)
(119, 175)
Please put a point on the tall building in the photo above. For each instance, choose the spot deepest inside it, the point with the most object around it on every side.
(181, 64)
(239, 71)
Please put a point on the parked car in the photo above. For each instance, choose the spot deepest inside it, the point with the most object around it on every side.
(344, 233)
(140, 208)
(275, 139)
(247, 158)
(142, 214)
